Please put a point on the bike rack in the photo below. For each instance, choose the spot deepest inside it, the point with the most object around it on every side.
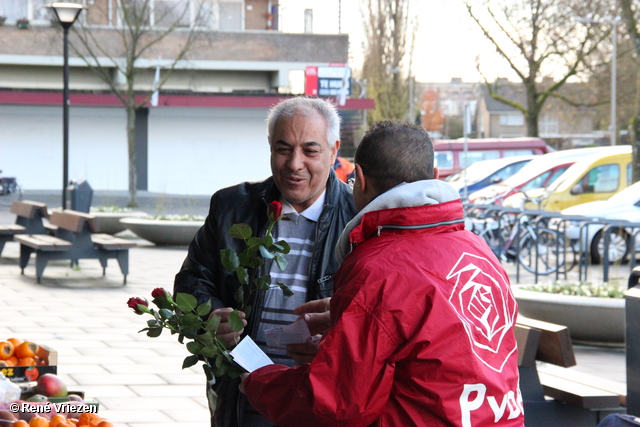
(608, 229)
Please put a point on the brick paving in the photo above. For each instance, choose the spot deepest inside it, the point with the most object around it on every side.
(137, 380)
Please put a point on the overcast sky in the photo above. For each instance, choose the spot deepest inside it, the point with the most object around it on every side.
(447, 42)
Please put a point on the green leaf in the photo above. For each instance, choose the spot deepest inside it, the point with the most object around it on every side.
(207, 372)
(219, 372)
(153, 323)
(265, 253)
(189, 361)
(186, 302)
(154, 332)
(268, 240)
(204, 308)
(229, 259)
(194, 347)
(247, 311)
(234, 372)
(285, 246)
(213, 323)
(281, 262)
(191, 321)
(235, 321)
(162, 303)
(240, 231)
(285, 289)
(238, 295)
(188, 333)
(206, 338)
(253, 243)
(263, 282)
(166, 313)
(209, 351)
(243, 276)
(246, 257)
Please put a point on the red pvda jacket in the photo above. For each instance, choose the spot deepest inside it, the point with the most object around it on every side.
(423, 319)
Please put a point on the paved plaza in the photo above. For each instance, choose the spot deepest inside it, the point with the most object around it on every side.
(137, 380)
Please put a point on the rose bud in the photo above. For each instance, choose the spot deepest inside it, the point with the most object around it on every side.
(159, 293)
(275, 208)
(134, 302)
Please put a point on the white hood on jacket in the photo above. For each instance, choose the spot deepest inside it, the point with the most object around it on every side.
(418, 193)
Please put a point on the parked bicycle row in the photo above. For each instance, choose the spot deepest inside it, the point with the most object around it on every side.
(543, 242)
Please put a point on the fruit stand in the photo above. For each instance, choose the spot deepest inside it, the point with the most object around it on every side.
(32, 395)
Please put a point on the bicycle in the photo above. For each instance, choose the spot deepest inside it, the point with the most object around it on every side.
(512, 237)
(10, 191)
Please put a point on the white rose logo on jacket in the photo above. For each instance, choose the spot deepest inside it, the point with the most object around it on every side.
(484, 303)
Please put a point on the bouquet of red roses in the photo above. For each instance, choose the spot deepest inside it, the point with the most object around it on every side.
(194, 323)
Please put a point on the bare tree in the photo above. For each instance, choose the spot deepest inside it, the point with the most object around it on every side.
(630, 10)
(387, 26)
(140, 29)
(539, 38)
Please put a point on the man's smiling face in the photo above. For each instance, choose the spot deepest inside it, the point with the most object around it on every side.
(301, 158)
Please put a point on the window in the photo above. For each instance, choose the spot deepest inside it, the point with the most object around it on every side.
(511, 153)
(549, 125)
(476, 156)
(443, 159)
(516, 119)
(165, 13)
(601, 179)
(536, 182)
(231, 15)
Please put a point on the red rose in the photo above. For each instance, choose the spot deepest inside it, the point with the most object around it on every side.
(159, 293)
(134, 302)
(275, 208)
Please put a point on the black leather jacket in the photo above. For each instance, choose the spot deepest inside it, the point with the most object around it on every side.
(203, 276)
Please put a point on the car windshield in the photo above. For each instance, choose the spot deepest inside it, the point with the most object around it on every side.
(478, 171)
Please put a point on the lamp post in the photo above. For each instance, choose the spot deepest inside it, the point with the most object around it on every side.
(66, 14)
(614, 23)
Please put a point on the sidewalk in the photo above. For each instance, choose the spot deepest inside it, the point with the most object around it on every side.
(137, 380)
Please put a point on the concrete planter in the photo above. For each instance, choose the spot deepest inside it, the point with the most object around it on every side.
(590, 320)
(109, 222)
(163, 232)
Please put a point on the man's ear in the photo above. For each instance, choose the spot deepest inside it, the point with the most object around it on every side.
(334, 152)
(360, 178)
(436, 173)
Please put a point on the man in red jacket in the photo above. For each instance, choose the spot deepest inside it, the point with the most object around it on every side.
(422, 313)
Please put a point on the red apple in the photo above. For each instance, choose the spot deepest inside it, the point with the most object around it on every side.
(51, 385)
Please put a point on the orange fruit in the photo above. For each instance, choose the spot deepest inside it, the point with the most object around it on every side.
(6, 350)
(12, 361)
(39, 422)
(88, 419)
(56, 420)
(27, 361)
(21, 423)
(15, 341)
(105, 423)
(26, 349)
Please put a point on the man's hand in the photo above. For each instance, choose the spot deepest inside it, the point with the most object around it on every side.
(243, 377)
(224, 330)
(303, 353)
(316, 314)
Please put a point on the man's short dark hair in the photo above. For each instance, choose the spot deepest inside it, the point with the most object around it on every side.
(393, 152)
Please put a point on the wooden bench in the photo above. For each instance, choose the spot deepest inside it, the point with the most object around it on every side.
(554, 395)
(29, 216)
(73, 240)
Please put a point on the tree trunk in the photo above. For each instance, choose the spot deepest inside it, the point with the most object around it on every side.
(635, 134)
(533, 110)
(131, 144)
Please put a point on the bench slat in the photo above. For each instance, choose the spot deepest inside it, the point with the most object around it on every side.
(577, 394)
(27, 208)
(107, 241)
(527, 340)
(600, 383)
(10, 229)
(555, 342)
(43, 242)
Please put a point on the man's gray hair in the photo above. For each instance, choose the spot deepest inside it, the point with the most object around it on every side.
(304, 106)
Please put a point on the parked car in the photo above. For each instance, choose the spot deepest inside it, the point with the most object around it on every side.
(487, 172)
(541, 172)
(624, 205)
(450, 154)
(595, 177)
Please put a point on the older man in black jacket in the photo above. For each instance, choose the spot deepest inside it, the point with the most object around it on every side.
(304, 138)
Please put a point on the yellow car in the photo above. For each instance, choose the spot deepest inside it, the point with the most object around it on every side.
(594, 177)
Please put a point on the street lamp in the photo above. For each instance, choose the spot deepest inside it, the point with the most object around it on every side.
(66, 14)
(614, 23)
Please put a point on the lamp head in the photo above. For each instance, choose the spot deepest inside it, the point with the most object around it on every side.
(66, 13)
